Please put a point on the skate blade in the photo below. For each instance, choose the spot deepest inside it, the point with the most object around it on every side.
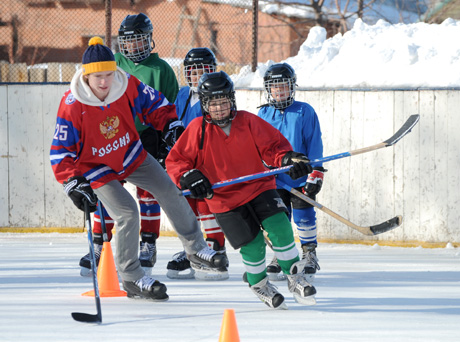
(211, 276)
(310, 300)
(276, 276)
(137, 297)
(186, 274)
(282, 307)
(86, 272)
(309, 277)
(147, 270)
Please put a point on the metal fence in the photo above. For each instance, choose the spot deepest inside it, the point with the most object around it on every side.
(43, 40)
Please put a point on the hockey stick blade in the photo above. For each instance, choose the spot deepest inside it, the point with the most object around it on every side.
(405, 129)
(386, 226)
(371, 230)
(86, 318)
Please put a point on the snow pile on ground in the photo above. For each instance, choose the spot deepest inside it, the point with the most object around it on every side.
(373, 56)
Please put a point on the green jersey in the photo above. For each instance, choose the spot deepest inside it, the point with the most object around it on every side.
(153, 71)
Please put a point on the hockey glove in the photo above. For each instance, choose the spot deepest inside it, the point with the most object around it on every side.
(172, 132)
(299, 164)
(79, 190)
(314, 182)
(150, 139)
(197, 183)
(162, 154)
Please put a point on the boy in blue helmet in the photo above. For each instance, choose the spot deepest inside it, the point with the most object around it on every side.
(298, 122)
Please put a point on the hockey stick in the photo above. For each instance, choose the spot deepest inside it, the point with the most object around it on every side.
(405, 129)
(371, 230)
(80, 316)
(105, 237)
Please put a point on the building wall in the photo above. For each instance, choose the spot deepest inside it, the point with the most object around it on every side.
(37, 31)
(418, 178)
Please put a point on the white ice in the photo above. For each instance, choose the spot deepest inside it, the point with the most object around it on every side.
(365, 293)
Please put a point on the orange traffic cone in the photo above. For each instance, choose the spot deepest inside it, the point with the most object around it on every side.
(107, 277)
(229, 330)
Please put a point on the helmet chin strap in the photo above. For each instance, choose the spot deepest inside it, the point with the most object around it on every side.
(222, 123)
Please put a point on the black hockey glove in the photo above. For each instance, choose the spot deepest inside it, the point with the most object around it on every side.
(162, 154)
(299, 164)
(197, 183)
(150, 139)
(314, 182)
(79, 190)
(172, 132)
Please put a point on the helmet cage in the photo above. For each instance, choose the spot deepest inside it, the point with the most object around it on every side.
(280, 92)
(136, 47)
(204, 68)
(205, 100)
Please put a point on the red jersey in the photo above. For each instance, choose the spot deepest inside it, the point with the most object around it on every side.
(101, 142)
(223, 157)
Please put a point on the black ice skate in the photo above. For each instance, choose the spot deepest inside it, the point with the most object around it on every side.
(210, 274)
(311, 266)
(146, 288)
(179, 267)
(148, 251)
(85, 261)
(209, 265)
(274, 271)
(269, 295)
(301, 289)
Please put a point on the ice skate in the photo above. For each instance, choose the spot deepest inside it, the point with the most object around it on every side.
(311, 266)
(274, 271)
(146, 288)
(209, 265)
(269, 295)
(85, 261)
(148, 252)
(208, 273)
(179, 267)
(301, 289)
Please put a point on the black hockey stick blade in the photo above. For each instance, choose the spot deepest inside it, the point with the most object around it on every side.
(87, 318)
(405, 129)
(386, 226)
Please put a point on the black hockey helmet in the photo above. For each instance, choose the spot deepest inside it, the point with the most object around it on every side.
(281, 76)
(199, 58)
(135, 37)
(216, 85)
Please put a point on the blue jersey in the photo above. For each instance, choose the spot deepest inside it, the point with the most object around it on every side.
(193, 107)
(300, 125)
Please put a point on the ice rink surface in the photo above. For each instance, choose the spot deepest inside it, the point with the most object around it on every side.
(365, 293)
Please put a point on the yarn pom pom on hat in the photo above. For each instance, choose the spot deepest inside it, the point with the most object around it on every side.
(98, 57)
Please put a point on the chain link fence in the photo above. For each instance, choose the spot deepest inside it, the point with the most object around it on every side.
(42, 41)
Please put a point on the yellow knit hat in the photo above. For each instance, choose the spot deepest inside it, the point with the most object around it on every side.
(98, 57)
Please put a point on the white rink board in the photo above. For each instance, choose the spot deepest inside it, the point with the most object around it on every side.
(418, 178)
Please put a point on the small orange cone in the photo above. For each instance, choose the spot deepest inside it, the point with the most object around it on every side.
(229, 330)
(107, 277)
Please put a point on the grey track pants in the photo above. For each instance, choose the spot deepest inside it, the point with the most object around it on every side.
(123, 208)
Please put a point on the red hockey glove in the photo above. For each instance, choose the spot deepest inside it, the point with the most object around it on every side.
(314, 183)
